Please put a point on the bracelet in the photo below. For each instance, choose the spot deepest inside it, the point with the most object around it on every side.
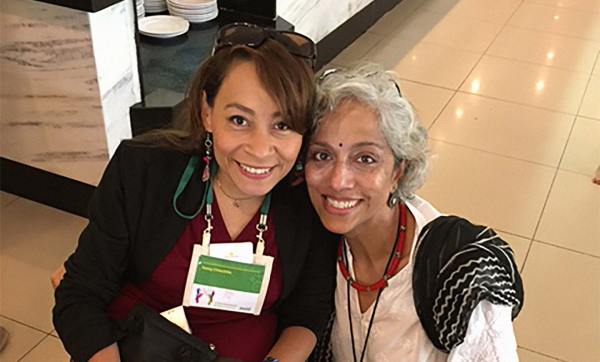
(270, 359)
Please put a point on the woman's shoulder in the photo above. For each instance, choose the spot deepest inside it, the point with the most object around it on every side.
(295, 195)
(133, 151)
(457, 265)
(293, 206)
(133, 158)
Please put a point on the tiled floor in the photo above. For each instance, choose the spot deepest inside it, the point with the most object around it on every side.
(510, 92)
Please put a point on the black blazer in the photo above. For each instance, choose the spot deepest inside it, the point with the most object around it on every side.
(133, 225)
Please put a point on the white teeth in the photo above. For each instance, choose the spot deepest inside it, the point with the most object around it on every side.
(255, 171)
(342, 204)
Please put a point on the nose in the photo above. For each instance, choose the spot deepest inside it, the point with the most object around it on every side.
(260, 144)
(341, 177)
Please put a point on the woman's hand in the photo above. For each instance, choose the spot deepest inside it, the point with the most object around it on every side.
(107, 354)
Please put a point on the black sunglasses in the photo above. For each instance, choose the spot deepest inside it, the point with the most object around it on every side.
(254, 36)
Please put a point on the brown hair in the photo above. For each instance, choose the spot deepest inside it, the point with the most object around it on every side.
(286, 78)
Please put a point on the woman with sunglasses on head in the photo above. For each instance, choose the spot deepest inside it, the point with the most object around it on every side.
(412, 285)
(215, 189)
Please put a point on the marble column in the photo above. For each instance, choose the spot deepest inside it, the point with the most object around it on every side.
(67, 80)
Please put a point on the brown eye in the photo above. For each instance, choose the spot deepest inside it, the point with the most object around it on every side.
(282, 126)
(238, 121)
(320, 156)
(366, 159)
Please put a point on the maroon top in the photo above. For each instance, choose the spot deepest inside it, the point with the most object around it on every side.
(165, 288)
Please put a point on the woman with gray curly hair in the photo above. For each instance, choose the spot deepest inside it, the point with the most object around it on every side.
(412, 285)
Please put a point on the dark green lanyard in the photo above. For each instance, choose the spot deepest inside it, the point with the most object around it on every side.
(207, 199)
(183, 182)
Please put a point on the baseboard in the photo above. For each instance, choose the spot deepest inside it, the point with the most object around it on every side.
(45, 187)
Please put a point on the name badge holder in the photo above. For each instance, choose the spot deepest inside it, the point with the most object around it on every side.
(225, 284)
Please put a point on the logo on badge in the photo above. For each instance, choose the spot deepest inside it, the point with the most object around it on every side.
(200, 292)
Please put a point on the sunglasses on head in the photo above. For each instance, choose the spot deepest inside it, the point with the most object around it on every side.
(254, 36)
(335, 70)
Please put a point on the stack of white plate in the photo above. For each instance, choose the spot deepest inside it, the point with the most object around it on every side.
(155, 6)
(141, 12)
(163, 26)
(194, 11)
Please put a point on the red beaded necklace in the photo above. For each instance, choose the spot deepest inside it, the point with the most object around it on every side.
(392, 267)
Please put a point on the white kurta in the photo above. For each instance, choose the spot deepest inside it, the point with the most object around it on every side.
(397, 334)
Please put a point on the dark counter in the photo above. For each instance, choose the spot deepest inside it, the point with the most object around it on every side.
(167, 65)
(90, 6)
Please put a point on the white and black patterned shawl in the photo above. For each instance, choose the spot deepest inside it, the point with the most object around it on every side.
(457, 265)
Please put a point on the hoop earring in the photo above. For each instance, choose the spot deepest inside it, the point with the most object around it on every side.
(393, 200)
(208, 152)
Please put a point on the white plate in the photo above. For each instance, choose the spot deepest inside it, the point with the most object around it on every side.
(177, 11)
(183, 6)
(194, 3)
(200, 19)
(155, 10)
(163, 26)
(188, 5)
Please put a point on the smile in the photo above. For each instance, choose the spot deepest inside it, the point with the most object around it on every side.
(341, 204)
(258, 171)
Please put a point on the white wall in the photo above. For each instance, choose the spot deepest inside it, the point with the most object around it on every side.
(317, 18)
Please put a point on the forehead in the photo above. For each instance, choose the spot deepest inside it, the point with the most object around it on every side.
(350, 122)
(242, 84)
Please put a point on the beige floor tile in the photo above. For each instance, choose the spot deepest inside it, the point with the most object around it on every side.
(487, 10)
(583, 150)
(597, 67)
(424, 62)
(390, 50)
(36, 239)
(504, 128)
(560, 317)
(357, 50)
(452, 31)
(427, 100)
(50, 350)
(590, 107)
(6, 199)
(582, 24)
(21, 340)
(546, 49)
(585, 5)
(518, 244)
(436, 65)
(570, 218)
(392, 21)
(504, 193)
(525, 83)
(528, 356)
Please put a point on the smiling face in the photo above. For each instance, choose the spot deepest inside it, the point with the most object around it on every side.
(252, 142)
(350, 170)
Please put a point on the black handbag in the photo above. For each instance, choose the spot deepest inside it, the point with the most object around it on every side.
(146, 336)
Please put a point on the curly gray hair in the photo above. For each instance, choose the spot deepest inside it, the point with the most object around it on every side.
(371, 85)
